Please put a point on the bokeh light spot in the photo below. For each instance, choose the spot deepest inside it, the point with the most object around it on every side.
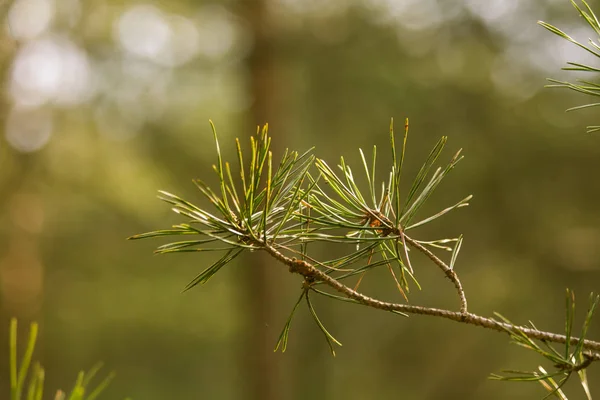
(27, 19)
(143, 30)
(28, 129)
(216, 32)
(50, 69)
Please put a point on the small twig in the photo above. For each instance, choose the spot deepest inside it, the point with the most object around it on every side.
(450, 273)
(310, 272)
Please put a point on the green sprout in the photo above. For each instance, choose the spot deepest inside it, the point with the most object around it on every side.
(32, 388)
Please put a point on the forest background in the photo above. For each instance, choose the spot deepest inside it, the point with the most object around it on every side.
(105, 102)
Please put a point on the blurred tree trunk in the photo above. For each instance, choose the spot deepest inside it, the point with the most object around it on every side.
(262, 369)
(22, 211)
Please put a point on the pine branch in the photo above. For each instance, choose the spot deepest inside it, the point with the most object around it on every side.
(282, 210)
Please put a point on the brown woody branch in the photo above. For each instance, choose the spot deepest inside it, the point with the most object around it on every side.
(313, 274)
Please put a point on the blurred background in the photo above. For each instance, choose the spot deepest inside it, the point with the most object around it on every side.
(105, 102)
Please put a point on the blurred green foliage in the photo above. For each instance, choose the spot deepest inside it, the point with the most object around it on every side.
(105, 102)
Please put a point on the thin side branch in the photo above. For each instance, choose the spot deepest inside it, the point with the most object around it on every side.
(450, 273)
